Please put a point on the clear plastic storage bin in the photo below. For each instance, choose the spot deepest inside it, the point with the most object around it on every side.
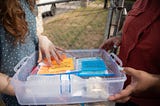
(66, 88)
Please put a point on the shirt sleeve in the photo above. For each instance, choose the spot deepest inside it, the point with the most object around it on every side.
(39, 21)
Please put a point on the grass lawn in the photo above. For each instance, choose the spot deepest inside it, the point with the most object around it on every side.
(82, 28)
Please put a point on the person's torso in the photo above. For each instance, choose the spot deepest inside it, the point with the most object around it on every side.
(140, 38)
(140, 42)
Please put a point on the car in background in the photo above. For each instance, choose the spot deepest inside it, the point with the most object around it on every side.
(48, 7)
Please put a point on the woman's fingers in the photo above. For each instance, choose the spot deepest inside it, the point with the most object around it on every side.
(60, 49)
(48, 56)
(55, 55)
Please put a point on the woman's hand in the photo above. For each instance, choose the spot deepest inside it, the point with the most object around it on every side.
(108, 44)
(48, 50)
(5, 86)
(140, 81)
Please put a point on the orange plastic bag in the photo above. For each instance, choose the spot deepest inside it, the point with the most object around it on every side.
(67, 64)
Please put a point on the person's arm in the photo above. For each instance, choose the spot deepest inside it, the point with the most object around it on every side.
(5, 86)
(47, 48)
(39, 20)
(140, 81)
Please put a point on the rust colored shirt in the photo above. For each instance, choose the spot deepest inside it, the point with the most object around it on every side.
(140, 47)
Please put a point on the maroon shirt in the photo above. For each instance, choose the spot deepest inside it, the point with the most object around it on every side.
(140, 47)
